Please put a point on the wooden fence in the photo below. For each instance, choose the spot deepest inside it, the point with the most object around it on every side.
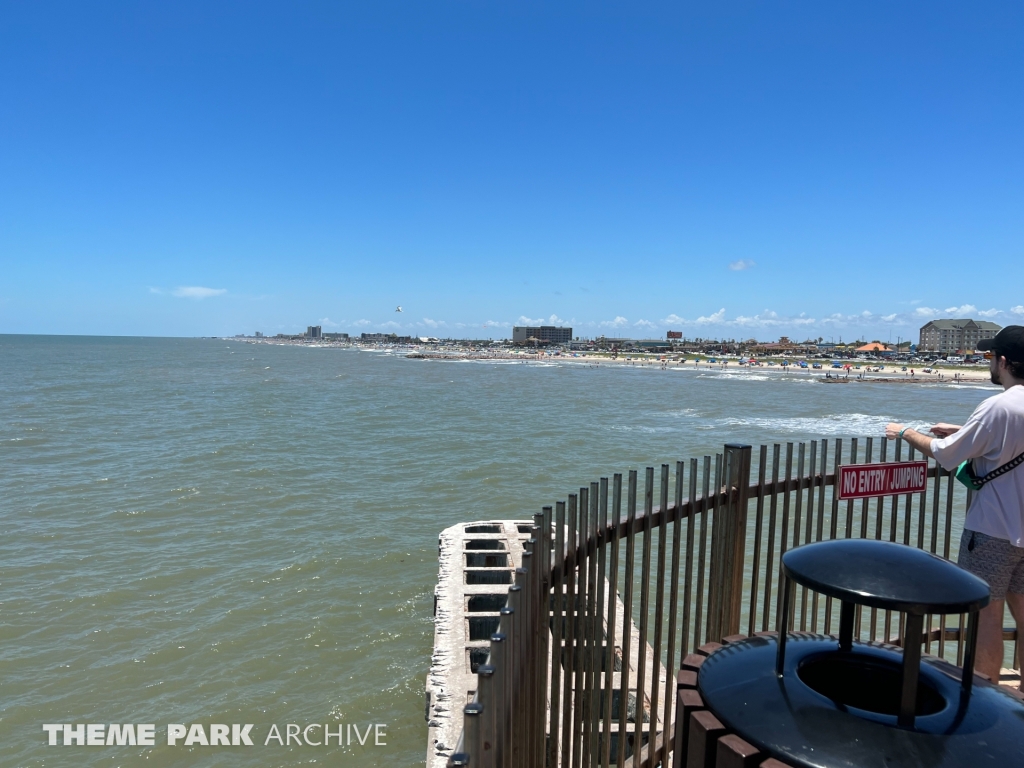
(622, 584)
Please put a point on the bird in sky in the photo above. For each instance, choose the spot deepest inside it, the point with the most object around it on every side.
(399, 309)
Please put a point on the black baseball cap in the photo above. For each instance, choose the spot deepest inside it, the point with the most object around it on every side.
(1008, 343)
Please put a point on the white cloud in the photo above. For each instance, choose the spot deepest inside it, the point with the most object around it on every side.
(197, 292)
(716, 317)
(326, 322)
(838, 319)
(154, 290)
(768, 319)
(964, 310)
(859, 324)
(741, 265)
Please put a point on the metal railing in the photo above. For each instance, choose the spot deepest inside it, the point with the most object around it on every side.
(583, 669)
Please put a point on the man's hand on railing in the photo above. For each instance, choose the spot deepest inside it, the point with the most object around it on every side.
(923, 443)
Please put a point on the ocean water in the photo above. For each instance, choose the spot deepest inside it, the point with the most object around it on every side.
(210, 531)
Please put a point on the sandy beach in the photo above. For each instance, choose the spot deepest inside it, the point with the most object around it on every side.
(859, 372)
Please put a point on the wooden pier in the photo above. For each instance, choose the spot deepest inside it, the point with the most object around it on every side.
(476, 564)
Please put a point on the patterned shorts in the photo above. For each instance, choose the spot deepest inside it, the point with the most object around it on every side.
(996, 561)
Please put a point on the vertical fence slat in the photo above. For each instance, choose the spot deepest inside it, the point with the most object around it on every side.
(879, 517)
(659, 609)
(691, 520)
(755, 570)
(511, 666)
(908, 511)
(783, 537)
(605, 649)
(864, 516)
(894, 515)
(613, 580)
(798, 512)
(922, 503)
(820, 527)
(524, 576)
(714, 582)
(579, 661)
(936, 492)
(700, 552)
(559, 596)
(594, 631)
(833, 526)
(627, 616)
(645, 596)
(770, 554)
(544, 612)
(854, 443)
(568, 650)
(934, 548)
(809, 528)
(673, 600)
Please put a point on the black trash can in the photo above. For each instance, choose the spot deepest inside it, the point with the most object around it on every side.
(825, 702)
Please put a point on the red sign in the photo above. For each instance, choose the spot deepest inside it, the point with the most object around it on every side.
(675, 334)
(863, 481)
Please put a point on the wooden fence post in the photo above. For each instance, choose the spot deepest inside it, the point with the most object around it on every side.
(728, 545)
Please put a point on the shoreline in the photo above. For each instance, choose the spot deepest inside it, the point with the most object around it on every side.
(942, 375)
(945, 375)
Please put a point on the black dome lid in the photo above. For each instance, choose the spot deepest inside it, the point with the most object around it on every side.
(885, 575)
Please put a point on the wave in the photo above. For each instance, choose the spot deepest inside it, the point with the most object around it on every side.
(741, 376)
(854, 424)
(990, 388)
(641, 428)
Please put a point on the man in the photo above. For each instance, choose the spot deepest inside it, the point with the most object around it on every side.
(992, 544)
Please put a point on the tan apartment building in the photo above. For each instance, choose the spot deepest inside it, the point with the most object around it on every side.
(951, 336)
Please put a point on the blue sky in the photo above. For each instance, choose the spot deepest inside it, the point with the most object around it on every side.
(724, 169)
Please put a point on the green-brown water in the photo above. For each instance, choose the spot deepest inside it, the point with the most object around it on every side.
(208, 531)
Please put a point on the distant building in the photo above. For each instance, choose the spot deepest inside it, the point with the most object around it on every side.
(314, 332)
(259, 334)
(877, 348)
(604, 342)
(963, 335)
(545, 334)
(387, 338)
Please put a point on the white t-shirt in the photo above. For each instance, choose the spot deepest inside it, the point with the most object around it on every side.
(992, 436)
